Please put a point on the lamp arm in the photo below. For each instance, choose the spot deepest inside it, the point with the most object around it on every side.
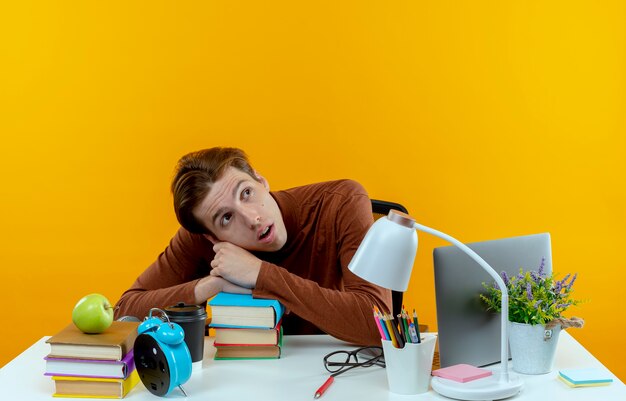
(504, 343)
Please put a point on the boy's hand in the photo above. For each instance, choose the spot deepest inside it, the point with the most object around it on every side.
(235, 264)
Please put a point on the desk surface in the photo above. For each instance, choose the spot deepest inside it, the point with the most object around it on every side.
(298, 373)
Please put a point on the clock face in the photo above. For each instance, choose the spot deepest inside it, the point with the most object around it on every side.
(151, 364)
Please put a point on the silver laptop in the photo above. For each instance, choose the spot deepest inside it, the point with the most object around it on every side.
(468, 333)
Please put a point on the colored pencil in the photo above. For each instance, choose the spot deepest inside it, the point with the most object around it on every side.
(381, 327)
(417, 327)
(396, 333)
(391, 332)
(405, 326)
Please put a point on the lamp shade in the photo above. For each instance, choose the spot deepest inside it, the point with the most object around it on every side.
(386, 254)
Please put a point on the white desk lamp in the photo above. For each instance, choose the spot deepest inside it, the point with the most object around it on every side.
(386, 256)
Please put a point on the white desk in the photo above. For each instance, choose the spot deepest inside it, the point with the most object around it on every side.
(298, 374)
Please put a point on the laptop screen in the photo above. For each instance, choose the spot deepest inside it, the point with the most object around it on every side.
(467, 332)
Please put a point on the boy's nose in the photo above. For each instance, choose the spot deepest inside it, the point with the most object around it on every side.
(252, 217)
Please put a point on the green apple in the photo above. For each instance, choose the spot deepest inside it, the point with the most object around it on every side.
(93, 314)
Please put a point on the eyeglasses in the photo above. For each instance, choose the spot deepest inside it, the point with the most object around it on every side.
(339, 362)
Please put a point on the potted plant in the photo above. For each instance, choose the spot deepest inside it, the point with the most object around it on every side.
(537, 302)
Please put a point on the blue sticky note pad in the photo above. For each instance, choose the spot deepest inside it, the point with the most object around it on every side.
(586, 376)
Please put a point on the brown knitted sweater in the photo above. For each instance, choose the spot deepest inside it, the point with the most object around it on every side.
(325, 224)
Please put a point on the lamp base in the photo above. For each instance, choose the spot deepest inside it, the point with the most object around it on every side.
(488, 388)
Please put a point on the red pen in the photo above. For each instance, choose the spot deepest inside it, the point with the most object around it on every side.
(324, 387)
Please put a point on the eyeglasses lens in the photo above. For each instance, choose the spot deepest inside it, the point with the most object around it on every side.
(339, 360)
(370, 356)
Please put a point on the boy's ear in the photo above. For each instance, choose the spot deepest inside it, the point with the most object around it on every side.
(262, 180)
(211, 238)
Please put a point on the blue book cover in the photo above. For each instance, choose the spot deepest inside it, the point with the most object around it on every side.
(244, 311)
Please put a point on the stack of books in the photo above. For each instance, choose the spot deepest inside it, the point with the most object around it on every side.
(246, 327)
(93, 365)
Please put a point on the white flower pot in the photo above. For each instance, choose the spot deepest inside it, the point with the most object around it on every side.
(533, 347)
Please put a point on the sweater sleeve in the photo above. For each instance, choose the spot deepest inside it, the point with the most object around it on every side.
(171, 278)
(343, 313)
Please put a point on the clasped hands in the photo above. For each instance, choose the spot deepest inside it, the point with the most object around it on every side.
(235, 264)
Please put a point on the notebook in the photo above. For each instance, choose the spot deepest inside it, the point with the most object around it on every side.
(468, 334)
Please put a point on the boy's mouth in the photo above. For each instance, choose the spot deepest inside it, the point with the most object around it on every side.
(265, 233)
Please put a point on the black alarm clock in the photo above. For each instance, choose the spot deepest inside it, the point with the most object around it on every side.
(161, 356)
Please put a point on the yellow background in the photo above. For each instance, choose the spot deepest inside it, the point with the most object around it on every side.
(487, 119)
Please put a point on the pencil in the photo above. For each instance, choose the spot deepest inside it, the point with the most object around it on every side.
(392, 336)
(394, 326)
(324, 387)
(417, 327)
(384, 326)
(401, 327)
(380, 329)
(398, 325)
(406, 326)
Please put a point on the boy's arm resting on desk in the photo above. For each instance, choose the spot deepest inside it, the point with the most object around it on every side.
(172, 278)
(346, 315)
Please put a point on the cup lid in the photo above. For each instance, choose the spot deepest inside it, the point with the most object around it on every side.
(181, 309)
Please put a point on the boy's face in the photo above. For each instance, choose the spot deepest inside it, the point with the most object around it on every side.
(240, 210)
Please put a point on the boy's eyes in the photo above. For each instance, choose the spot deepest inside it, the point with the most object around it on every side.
(226, 218)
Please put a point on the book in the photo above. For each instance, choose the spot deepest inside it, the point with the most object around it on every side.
(91, 387)
(244, 311)
(112, 344)
(90, 367)
(461, 373)
(247, 352)
(235, 336)
(585, 377)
